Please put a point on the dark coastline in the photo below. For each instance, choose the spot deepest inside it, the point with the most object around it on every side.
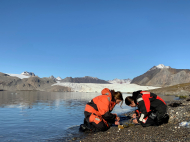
(166, 132)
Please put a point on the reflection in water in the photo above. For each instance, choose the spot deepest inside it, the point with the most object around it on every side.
(30, 98)
(42, 116)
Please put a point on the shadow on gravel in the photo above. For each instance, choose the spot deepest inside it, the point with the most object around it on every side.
(176, 104)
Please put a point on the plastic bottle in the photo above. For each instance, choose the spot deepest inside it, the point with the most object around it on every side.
(185, 124)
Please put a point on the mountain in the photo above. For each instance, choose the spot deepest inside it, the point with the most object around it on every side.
(58, 78)
(120, 81)
(52, 77)
(86, 79)
(11, 83)
(162, 76)
(28, 73)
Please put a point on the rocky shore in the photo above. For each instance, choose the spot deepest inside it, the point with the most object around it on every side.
(179, 111)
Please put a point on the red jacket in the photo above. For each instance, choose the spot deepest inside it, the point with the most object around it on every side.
(147, 102)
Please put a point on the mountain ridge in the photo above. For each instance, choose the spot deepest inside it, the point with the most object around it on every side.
(86, 79)
(161, 77)
(32, 83)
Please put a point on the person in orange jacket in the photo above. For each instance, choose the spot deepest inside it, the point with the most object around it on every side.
(98, 116)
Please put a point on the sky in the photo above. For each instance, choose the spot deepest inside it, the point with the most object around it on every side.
(100, 38)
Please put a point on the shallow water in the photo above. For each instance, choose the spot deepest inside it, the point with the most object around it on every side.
(44, 116)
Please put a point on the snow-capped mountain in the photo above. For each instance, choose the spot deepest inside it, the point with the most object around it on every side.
(160, 66)
(162, 76)
(120, 81)
(58, 78)
(22, 75)
(28, 73)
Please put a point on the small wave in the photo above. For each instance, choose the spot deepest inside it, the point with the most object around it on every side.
(73, 126)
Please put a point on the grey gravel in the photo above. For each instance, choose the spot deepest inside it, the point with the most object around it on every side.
(170, 132)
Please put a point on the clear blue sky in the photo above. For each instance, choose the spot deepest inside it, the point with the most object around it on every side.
(101, 38)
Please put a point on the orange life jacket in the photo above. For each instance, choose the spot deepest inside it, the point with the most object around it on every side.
(101, 104)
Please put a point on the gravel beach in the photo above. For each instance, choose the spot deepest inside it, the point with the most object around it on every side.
(166, 132)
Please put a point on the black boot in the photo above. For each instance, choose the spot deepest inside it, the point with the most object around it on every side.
(163, 120)
(83, 128)
(87, 127)
(166, 118)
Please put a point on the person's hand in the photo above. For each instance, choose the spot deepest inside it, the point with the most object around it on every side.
(134, 115)
(135, 121)
(134, 118)
(117, 118)
(117, 123)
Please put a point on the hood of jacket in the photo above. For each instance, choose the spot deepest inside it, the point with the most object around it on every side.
(135, 95)
(109, 93)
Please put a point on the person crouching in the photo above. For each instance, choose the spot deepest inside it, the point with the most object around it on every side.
(98, 116)
(152, 110)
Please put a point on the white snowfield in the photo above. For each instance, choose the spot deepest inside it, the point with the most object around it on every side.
(21, 76)
(92, 87)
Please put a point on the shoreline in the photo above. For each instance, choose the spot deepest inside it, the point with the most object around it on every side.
(166, 132)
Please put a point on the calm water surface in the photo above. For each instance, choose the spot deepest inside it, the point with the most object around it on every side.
(43, 116)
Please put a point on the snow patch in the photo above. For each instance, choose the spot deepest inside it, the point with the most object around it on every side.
(59, 78)
(160, 66)
(21, 76)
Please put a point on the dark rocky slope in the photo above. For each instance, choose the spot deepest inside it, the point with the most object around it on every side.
(86, 79)
(32, 83)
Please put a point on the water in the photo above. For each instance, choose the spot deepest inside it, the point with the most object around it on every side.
(43, 116)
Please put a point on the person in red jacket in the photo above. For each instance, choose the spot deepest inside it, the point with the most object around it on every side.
(152, 110)
(98, 116)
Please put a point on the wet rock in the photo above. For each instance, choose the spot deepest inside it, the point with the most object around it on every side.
(74, 138)
(175, 104)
